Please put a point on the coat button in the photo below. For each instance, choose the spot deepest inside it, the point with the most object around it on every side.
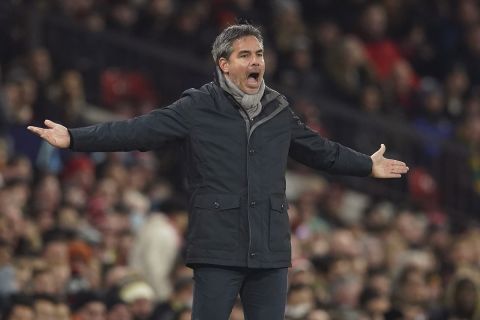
(251, 152)
(282, 206)
(216, 205)
(253, 254)
(252, 204)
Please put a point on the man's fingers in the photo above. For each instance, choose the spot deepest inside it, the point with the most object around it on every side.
(399, 163)
(35, 130)
(379, 153)
(398, 169)
(382, 149)
(42, 133)
(390, 176)
(49, 123)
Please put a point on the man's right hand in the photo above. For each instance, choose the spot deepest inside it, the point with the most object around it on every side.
(55, 134)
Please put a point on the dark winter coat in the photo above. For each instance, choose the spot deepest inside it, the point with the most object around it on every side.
(235, 169)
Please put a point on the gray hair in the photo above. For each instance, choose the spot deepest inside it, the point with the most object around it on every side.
(223, 45)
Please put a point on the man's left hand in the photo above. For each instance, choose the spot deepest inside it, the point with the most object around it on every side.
(386, 168)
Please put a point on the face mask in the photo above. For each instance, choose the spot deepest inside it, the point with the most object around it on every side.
(298, 311)
(182, 304)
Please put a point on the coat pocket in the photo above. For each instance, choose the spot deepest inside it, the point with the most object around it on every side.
(279, 226)
(216, 224)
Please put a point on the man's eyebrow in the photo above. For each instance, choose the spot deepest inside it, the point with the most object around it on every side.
(248, 51)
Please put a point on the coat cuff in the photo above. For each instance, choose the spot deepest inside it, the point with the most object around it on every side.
(351, 162)
(71, 140)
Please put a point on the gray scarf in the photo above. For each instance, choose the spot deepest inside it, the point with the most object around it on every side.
(250, 102)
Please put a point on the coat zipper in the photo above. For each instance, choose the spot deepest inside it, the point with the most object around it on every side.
(248, 123)
(250, 129)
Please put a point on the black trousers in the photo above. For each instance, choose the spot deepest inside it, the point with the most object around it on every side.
(263, 292)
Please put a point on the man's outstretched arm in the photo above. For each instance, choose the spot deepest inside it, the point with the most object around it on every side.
(309, 148)
(147, 132)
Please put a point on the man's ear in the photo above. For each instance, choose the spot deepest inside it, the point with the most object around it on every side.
(224, 65)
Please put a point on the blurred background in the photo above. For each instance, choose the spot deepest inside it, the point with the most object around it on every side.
(101, 235)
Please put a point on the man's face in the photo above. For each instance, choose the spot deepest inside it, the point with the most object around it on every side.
(93, 311)
(245, 66)
(44, 310)
(22, 313)
(141, 308)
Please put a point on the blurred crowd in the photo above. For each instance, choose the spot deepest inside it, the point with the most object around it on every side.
(100, 236)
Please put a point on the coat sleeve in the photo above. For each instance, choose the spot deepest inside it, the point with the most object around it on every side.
(146, 132)
(309, 148)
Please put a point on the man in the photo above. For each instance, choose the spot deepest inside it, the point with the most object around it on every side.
(20, 307)
(237, 135)
(44, 307)
(139, 297)
(180, 299)
(88, 305)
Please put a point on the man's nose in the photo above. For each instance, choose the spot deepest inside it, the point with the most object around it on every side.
(255, 61)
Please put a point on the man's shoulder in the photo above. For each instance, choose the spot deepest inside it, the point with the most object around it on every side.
(207, 97)
(206, 92)
(270, 95)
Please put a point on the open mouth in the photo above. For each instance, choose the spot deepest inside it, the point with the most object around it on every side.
(253, 76)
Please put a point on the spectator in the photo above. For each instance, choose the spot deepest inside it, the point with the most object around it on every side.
(181, 300)
(88, 305)
(401, 90)
(155, 17)
(456, 88)
(73, 107)
(183, 314)
(62, 311)
(123, 17)
(432, 122)
(117, 309)
(409, 295)
(374, 303)
(383, 53)
(288, 25)
(20, 308)
(300, 301)
(7, 270)
(348, 67)
(55, 255)
(157, 244)
(139, 297)
(318, 314)
(44, 307)
(43, 281)
(300, 76)
(461, 297)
